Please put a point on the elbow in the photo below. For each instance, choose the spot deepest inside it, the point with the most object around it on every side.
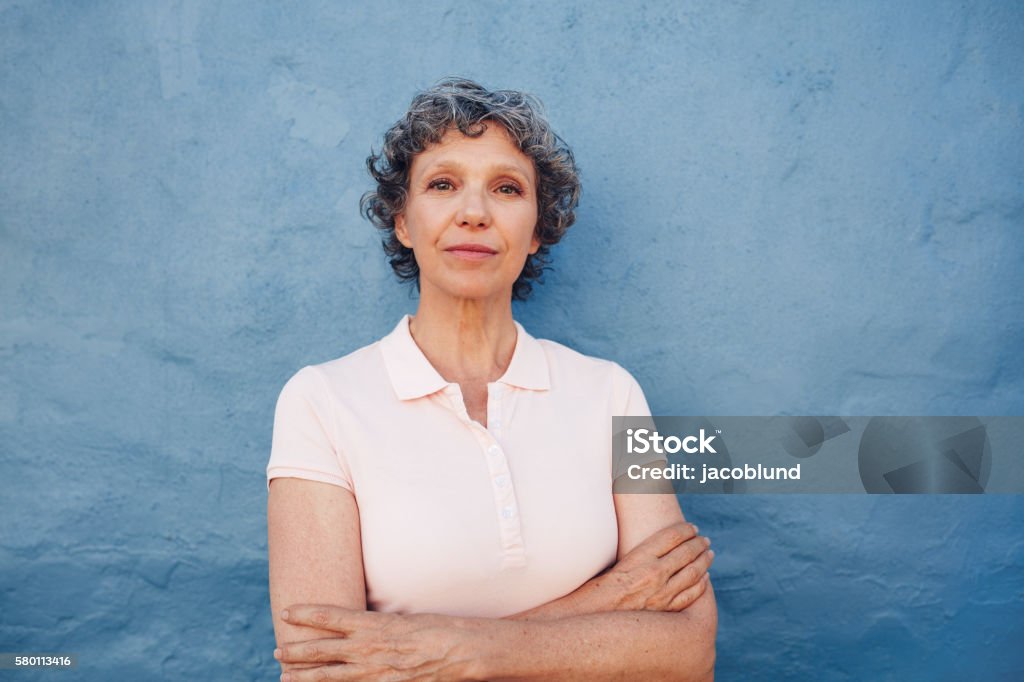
(710, 648)
(686, 649)
(699, 665)
(703, 632)
(705, 666)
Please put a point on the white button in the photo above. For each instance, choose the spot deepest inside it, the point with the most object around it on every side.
(496, 424)
(501, 481)
(508, 512)
(494, 451)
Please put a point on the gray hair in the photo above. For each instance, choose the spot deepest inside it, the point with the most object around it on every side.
(457, 103)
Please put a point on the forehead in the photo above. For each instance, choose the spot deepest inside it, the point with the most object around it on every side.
(494, 148)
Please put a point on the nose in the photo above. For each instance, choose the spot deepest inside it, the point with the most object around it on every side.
(473, 211)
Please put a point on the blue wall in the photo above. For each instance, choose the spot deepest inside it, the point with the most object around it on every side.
(789, 208)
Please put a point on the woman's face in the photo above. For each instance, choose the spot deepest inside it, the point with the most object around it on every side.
(470, 215)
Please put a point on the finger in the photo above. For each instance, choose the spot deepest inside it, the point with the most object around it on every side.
(685, 553)
(325, 673)
(327, 617)
(666, 539)
(689, 595)
(690, 574)
(328, 650)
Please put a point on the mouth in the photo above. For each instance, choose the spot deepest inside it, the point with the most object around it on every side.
(471, 251)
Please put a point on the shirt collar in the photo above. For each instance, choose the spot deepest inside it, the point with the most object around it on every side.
(412, 375)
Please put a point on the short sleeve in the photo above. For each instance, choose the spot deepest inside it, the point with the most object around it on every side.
(630, 402)
(633, 404)
(304, 443)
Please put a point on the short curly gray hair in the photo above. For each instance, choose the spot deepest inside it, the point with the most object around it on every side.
(457, 103)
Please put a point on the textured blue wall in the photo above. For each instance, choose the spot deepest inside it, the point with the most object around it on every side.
(788, 209)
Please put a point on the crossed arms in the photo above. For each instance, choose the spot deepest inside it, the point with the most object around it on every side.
(650, 616)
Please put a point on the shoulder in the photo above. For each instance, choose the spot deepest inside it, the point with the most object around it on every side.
(563, 357)
(569, 367)
(332, 379)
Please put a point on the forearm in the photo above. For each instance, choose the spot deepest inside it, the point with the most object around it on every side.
(666, 572)
(593, 596)
(602, 646)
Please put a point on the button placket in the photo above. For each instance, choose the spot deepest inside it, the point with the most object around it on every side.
(502, 487)
(494, 395)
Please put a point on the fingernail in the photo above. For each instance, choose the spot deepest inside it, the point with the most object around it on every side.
(696, 528)
(277, 654)
(711, 554)
(707, 541)
(284, 615)
(286, 677)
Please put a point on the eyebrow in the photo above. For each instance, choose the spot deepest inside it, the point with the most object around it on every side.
(445, 164)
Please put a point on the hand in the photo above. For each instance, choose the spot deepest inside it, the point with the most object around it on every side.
(375, 646)
(665, 572)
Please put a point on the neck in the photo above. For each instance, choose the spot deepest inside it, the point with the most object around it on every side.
(466, 340)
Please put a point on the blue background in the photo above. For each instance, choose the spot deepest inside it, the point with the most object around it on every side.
(789, 208)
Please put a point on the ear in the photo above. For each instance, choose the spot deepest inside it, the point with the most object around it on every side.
(534, 244)
(401, 231)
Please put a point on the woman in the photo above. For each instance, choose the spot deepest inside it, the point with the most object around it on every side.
(440, 502)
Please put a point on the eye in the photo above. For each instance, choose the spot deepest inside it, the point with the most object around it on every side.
(441, 184)
(510, 189)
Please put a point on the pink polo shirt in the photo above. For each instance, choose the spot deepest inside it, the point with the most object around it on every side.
(456, 518)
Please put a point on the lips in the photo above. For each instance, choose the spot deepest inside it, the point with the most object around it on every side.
(471, 251)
